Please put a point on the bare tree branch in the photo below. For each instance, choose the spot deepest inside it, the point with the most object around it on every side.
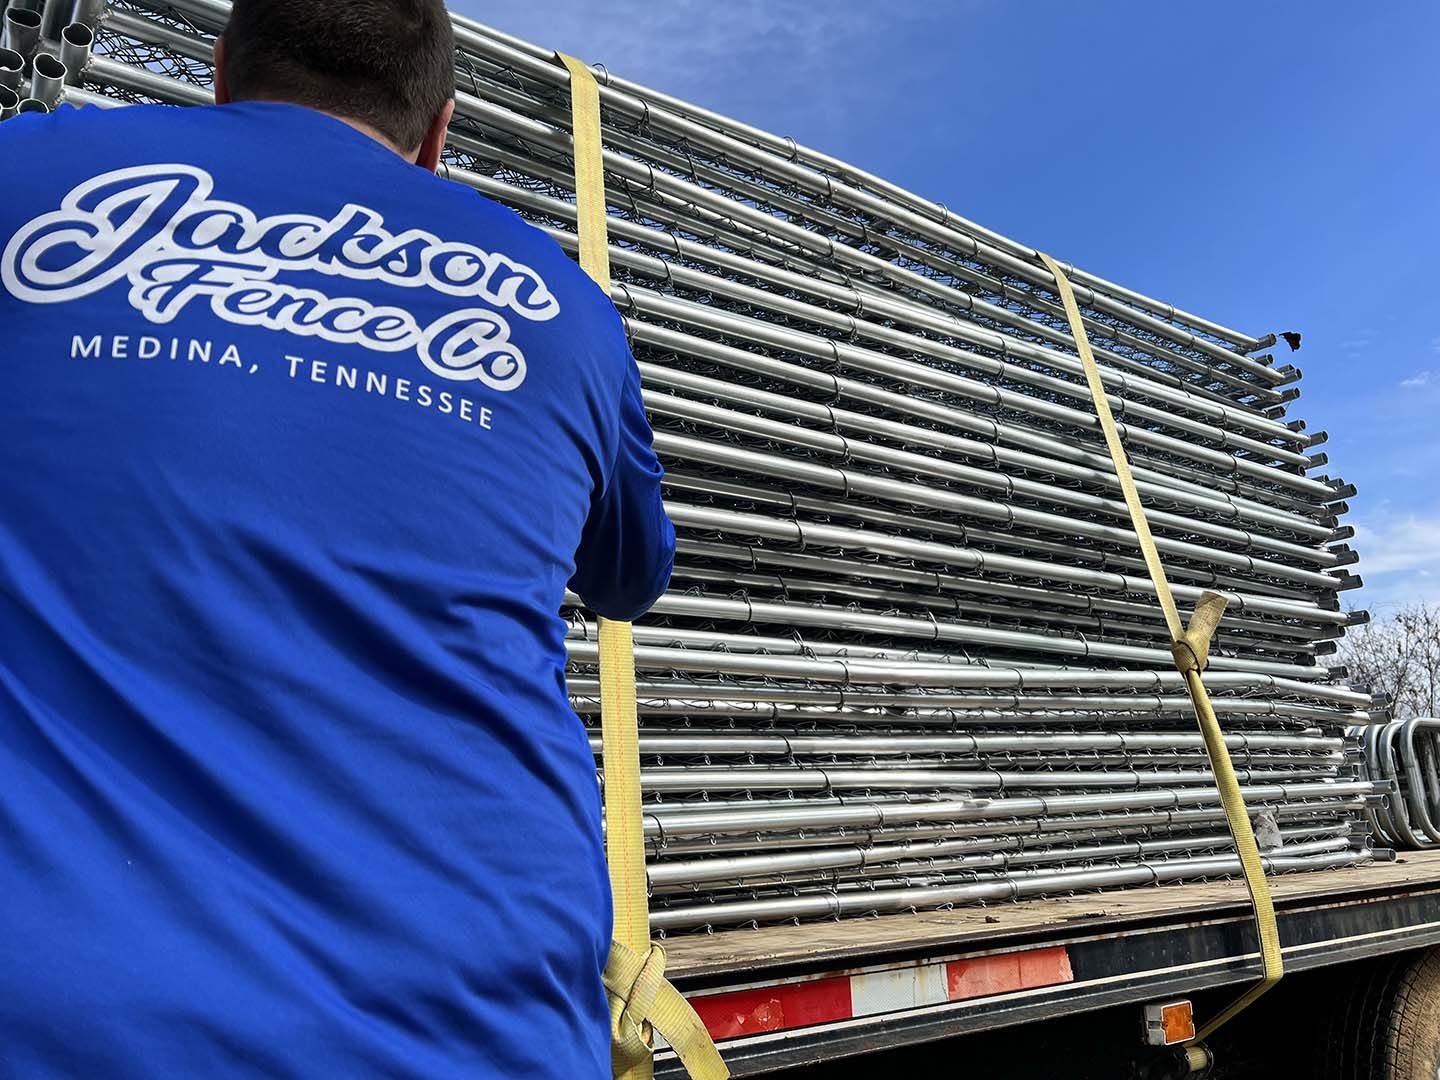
(1400, 657)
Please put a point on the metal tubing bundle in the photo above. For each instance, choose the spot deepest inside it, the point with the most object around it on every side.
(44, 44)
(1406, 754)
(911, 656)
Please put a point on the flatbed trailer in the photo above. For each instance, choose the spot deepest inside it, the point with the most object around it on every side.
(786, 996)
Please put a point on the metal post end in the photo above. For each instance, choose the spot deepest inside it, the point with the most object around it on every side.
(48, 82)
(12, 68)
(22, 32)
(1344, 490)
(76, 41)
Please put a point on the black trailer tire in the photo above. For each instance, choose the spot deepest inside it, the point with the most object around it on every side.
(1389, 1023)
(1412, 1036)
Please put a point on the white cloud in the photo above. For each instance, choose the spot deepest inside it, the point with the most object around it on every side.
(1420, 378)
(751, 58)
(1399, 559)
(687, 43)
(1358, 341)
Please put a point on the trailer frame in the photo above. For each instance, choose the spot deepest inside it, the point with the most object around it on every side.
(785, 996)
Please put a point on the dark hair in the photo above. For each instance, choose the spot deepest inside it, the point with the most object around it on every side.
(386, 63)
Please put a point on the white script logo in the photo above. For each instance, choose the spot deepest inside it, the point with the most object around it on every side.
(156, 227)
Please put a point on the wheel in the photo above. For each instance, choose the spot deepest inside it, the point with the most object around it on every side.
(1412, 1035)
(1388, 1025)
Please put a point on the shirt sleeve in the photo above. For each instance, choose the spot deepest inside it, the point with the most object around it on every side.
(627, 550)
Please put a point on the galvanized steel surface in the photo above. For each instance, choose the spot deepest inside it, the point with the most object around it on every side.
(910, 657)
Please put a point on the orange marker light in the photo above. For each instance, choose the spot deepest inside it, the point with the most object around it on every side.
(1169, 1023)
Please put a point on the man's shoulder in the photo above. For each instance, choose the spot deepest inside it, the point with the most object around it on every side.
(469, 210)
(68, 125)
(525, 242)
(74, 142)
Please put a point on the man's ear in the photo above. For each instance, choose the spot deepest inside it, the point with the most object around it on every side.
(429, 156)
(222, 88)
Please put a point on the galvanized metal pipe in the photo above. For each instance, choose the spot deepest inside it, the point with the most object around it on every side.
(76, 41)
(12, 69)
(48, 81)
(21, 33)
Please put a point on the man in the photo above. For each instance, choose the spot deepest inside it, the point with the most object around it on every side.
(300, 448)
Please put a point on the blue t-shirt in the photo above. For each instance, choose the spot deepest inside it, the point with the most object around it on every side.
(299, 449)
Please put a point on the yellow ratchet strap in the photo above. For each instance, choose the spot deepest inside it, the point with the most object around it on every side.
(640, 997)
(1191, 649)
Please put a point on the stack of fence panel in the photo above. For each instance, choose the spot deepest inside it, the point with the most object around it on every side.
(910, 657)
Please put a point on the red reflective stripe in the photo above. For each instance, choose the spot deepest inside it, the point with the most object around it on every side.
(772, 1008)
(987, 975)
(785, 1006)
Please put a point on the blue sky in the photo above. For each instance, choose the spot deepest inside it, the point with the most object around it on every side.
(1273, 166)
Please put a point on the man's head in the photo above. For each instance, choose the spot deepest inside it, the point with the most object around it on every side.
(387, 66)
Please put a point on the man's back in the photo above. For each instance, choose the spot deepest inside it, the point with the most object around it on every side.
(299, 443)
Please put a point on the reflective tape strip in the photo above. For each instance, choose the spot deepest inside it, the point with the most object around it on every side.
(787, 1006)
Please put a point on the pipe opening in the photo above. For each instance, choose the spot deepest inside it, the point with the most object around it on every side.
(32, 105)
(22, 31)
(48, 82)
(76, 41)
(79, 35)
(48, 67)
(12, 65)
